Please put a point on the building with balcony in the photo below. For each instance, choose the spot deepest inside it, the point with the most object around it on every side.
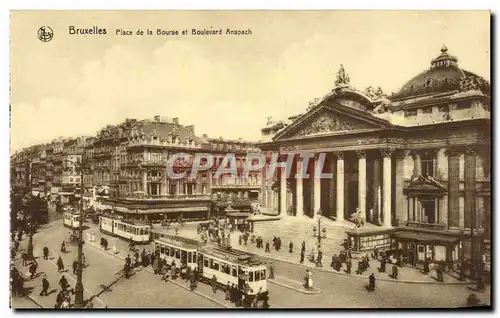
(416, 163)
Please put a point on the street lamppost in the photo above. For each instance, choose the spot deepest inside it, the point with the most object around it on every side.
(30, 205)
(319, 233)
(79, 297)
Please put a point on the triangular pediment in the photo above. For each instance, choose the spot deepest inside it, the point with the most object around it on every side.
(330, 119)
(425, 185)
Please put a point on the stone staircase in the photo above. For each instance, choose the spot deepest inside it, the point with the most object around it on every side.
(298, 229)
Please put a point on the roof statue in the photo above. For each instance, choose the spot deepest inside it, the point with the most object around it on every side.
(342, 79)
(269, 120)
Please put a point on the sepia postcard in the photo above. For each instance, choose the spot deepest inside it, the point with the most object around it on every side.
(250, 159)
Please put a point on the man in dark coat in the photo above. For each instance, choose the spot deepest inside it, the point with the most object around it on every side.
(267, 247)
(60, 265)
(214, 284)
(290, 247)
(302, 257)
(75, 266)
(45, 286)
(63, 283)
(371, 284)
(348, 266)
(426, 266)
(303, 248)
(382, 264)
(45, 253)
(394, 272)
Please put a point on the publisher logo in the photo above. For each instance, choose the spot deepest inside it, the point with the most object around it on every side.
(45, 34)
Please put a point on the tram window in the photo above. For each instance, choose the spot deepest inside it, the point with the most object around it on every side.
(194, 258)
(205, 262)
(177, 254)
(215, 266)
(257, 276)
(226, 269)
(240, 271)
(162, 249)
(263, 274)
(250, 276)
(235, 271)
(172, 252)
(167, 250)
(190, 257)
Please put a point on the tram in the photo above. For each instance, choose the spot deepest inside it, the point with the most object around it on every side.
(181, 251)
(128, 230)
(72, 219)
(233, 267)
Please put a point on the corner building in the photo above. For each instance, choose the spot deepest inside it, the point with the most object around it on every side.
(416, 163)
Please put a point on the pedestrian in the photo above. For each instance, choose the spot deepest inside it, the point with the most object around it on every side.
(320, 259)
(308, 279)
(239, 239)
(271, 271)
(426, 266)
(214, 284)
(382, 264)
(24, 256)
(265, 305)
(33, 268)
(45, 286)
(290, 247)
(348, 266)
(63, 247)
(45, 253)
(63, 283)
(16, 245)
(228, 291)
(75, 267)
(60, 265)
(93, 237)
(371, 284)
(302, 257)
(395, 272)
(303, 248)
(268, 250)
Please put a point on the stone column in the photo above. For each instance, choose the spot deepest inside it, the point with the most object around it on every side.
(417, 165)
(144, 181)
(299, 190)
(470, 188)
(340, 186)
(283, 191)
(401, 205)
(386, 154)
(453, 187)
(317, 186)
(362, 182)
(164, 184)
(332, 163)
(376, 204)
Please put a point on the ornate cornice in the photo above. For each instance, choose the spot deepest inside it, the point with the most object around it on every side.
(401, 154)
(454, 151)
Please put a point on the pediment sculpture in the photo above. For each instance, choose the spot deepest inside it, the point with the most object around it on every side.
(342, 79)
(324, 123)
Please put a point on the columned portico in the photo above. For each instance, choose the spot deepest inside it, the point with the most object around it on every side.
(340, 186)
(362, 182)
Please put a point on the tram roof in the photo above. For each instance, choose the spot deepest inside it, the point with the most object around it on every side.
(133, 223)
(179, 241)
(232, 255)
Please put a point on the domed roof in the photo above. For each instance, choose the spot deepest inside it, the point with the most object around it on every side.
(444, 75)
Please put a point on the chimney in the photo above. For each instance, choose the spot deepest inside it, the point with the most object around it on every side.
(157, 118)
(191, 128)
(175, 120)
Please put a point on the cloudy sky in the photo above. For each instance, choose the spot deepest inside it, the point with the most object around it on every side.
(224, 85)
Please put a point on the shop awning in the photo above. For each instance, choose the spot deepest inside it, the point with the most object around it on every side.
(425, 237)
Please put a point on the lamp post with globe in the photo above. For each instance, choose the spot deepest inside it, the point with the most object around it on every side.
(320, 233)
